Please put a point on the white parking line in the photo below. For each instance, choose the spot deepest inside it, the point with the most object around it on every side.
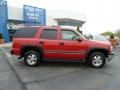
(8, 55)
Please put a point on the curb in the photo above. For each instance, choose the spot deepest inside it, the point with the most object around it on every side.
(6, 45)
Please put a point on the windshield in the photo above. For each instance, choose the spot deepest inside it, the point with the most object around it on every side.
(99, 37)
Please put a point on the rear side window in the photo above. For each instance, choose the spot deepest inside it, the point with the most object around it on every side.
(26, 32)
(49, 34)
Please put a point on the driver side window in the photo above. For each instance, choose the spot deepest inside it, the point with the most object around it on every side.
(69, 35)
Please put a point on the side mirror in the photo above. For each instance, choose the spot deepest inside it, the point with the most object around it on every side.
(76, 38)
(79, 39)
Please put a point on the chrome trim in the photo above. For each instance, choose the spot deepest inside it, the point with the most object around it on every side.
(65, 52)
(51, 51)
(72, 52)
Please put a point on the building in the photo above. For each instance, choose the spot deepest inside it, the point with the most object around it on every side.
(11, 18)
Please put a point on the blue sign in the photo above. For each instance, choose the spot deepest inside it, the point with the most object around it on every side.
(34, 15)
(3, 20)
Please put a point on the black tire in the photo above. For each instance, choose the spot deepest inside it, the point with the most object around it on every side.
(97, 60)
(32, 58)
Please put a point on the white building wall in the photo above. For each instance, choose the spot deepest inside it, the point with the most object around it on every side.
(56, 14)
(66, 14)
(50, 20)
(15, 13)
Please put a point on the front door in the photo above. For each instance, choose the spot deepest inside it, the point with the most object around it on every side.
(70, 47)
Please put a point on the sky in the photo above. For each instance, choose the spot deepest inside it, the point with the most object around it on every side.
(101, 15)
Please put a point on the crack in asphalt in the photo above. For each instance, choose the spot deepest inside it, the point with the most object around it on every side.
(53, 77)
(23, 85)
(108, 74)
(58, 76)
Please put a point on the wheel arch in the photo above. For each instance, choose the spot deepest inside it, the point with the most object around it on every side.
(26, 48)
(92, 50)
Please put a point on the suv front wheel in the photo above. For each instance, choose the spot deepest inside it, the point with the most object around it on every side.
(97, 60)
(32, 58)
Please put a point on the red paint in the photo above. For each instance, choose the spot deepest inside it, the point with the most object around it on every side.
(53, 50)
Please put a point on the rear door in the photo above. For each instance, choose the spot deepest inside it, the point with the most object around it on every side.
(50, 43)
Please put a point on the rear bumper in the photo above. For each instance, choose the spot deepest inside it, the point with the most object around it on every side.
(110, 56)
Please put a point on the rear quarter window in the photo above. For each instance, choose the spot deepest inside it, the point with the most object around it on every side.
(26, 32)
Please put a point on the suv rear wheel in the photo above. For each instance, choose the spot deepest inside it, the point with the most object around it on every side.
(32, 58)
(97, 60)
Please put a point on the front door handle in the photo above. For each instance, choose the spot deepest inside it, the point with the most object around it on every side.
(41, 42)
(61, 43)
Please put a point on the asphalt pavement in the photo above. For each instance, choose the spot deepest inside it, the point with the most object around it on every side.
(15, 75)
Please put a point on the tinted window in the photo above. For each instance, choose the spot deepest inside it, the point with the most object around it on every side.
(49, 34)
(69, 35)
(26, 32)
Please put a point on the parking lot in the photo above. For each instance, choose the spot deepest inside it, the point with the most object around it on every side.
(57, 75)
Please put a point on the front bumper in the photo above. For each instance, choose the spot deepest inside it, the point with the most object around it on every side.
(110, 56)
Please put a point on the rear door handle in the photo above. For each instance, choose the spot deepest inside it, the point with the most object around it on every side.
(61, 43)
(41, 42)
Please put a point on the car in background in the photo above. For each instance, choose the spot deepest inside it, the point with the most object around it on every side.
(107, 37)
(100, 38)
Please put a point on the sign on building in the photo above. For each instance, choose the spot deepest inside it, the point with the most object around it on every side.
(34, 15)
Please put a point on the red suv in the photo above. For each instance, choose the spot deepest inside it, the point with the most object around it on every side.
(37, 43)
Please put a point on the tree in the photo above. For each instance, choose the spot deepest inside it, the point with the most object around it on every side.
(112, 36)
(108, 33)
